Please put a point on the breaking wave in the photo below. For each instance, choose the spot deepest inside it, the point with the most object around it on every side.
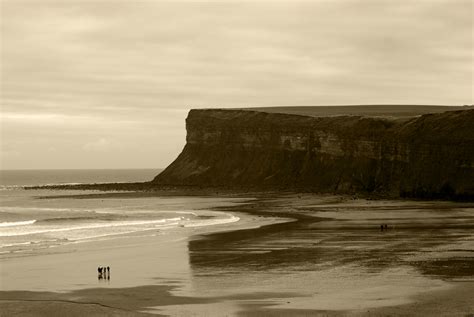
(17, 223)
(89, 226)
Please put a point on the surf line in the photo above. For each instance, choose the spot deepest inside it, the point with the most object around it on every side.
(17, 223)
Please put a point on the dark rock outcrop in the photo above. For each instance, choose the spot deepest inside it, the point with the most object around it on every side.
(428, 156)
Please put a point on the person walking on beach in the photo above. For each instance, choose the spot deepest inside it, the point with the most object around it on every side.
(99, 272)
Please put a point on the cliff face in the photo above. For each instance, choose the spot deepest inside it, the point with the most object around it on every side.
(427, 156)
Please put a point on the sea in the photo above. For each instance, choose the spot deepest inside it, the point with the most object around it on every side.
(32, 220)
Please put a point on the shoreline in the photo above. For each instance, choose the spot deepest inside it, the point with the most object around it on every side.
(127, 242)
(152, 189)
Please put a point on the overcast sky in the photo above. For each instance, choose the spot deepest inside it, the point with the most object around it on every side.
(107, 84)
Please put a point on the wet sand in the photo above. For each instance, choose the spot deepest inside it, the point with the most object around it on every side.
(331, 260)
(457, 301)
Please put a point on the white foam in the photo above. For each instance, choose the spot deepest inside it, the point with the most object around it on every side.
(90, 226)
(14, 208)
(17, 223)
(15, 244)
(41, 235)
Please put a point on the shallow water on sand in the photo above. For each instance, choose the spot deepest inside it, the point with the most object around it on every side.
(335, 256)
(141, 238)
(331, 255)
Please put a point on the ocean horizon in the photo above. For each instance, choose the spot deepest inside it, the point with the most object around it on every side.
(28, 177)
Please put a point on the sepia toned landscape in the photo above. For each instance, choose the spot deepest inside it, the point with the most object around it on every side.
(241, 158)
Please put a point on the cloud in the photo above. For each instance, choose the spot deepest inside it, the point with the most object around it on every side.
(131, 69)
(209, 53)
(100, 145)
(32, 117)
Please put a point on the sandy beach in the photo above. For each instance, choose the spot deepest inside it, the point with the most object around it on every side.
(288, 255)
(205, 158)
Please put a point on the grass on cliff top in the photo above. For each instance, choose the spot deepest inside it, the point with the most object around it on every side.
(389, 111)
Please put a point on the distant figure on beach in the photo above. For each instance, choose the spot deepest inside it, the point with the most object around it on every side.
(381, 227)
(103, 272)
(385, 226)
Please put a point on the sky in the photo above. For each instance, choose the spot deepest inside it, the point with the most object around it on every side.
(108, 84)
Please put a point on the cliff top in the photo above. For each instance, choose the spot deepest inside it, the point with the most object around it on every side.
(386, 111)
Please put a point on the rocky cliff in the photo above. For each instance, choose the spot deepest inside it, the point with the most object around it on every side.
(427, 156)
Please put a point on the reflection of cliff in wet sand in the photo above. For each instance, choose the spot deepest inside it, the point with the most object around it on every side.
(330, 260)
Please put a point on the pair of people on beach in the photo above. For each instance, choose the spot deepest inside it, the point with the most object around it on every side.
(383, 227)
(104, 272)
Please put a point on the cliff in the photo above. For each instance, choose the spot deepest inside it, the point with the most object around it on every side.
(427, 156)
